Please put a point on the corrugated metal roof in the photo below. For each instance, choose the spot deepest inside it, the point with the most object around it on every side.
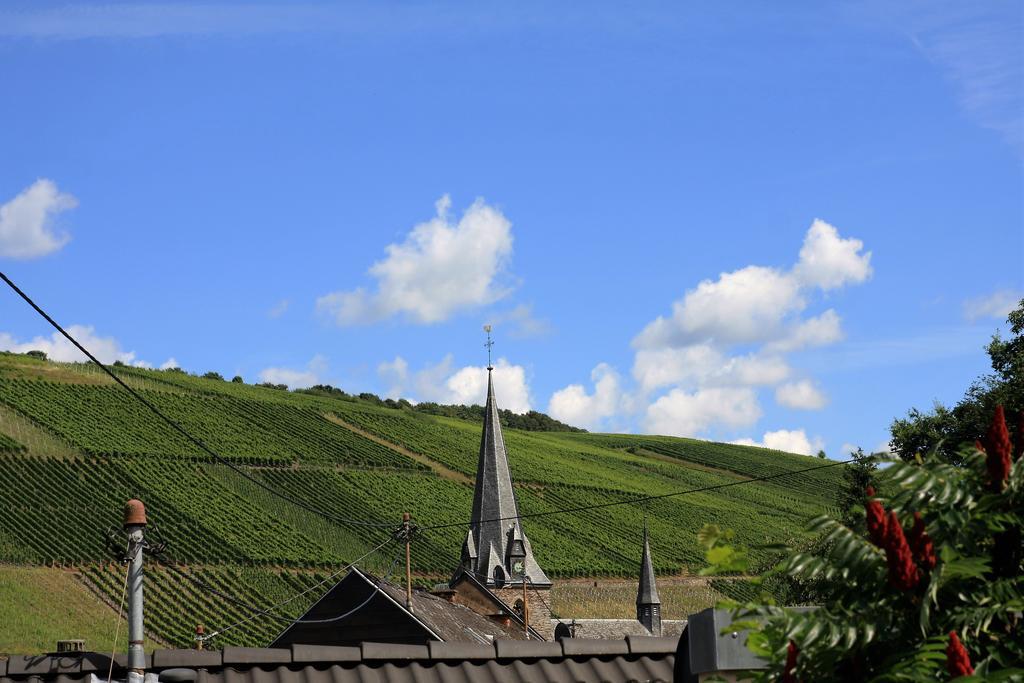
(634, 659)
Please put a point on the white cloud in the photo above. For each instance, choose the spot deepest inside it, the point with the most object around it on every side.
(803, 395)
(790, 441)
(574, 406)
(757, 304)
(995, 305)
(755, 370)
(469, 385)
(704, 365)
(294, 378)
(758, 310)
(680, 413)
(171, 362)
(441, 268)
(828, 261)
(691, 365)
(445, 384)
(821, 330)
(27, 221)
(279, 309)
(56, 347)
(741, 306)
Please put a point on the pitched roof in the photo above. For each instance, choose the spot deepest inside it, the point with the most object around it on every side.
(495, 529)
(612, 629)
(498, 604)
(374, 609)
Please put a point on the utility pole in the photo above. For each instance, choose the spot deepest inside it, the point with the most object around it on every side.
(408, 562)
(134, 525)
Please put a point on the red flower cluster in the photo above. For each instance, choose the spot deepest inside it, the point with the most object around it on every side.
(886, 532)
(958, 662)
(903, 572)
(875, 519)
(921, 544)
(997, 450)
(789, 673)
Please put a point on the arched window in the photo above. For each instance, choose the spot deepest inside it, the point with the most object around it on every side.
(499, 576)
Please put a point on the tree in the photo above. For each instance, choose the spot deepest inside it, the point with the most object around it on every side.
(213, 375)
(41, 355)
(857, 477)
(930, 589)
(821, 454)
(237, 379)
(943, 429)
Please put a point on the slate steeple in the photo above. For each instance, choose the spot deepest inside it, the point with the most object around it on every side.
(496, 551)
(648, 605)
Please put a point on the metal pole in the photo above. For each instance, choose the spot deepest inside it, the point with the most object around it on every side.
(408, 563)
(136, 652)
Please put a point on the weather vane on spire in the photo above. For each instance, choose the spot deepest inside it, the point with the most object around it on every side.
(489, 343)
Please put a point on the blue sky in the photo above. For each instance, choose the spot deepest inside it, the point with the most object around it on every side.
(784, 225)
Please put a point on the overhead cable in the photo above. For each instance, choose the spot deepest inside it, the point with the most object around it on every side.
(181, 430)
(269, 612)
(341, 520)
(641, 499)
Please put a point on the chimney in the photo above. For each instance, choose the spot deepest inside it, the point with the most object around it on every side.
(134, 526)
(501, 618)
(70, 646)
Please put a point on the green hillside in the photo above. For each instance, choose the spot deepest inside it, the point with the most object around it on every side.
(74, 446)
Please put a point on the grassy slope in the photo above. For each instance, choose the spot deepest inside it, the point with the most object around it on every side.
(80, 469)
(39, 606)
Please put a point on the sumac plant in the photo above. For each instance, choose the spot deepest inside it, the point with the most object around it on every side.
(933, 589)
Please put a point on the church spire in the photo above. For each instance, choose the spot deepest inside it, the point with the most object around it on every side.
(496, 551)
(648, 605)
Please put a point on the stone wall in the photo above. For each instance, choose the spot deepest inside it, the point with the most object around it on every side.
(540, 613)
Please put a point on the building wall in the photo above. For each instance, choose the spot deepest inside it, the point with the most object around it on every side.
(540, 613)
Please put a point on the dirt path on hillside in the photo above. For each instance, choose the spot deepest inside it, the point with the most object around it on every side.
(437, 467)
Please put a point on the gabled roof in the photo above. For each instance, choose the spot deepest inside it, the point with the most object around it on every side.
(375, 610)
(495, 515)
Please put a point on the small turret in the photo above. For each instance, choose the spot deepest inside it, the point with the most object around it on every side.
(648, 605)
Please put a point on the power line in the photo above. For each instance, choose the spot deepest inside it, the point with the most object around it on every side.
(631, 501)
(259, 611)
(342, 520)
(269, 612)
(181, 430)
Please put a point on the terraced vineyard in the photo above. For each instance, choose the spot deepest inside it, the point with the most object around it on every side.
(74, 447)
(9, 445)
